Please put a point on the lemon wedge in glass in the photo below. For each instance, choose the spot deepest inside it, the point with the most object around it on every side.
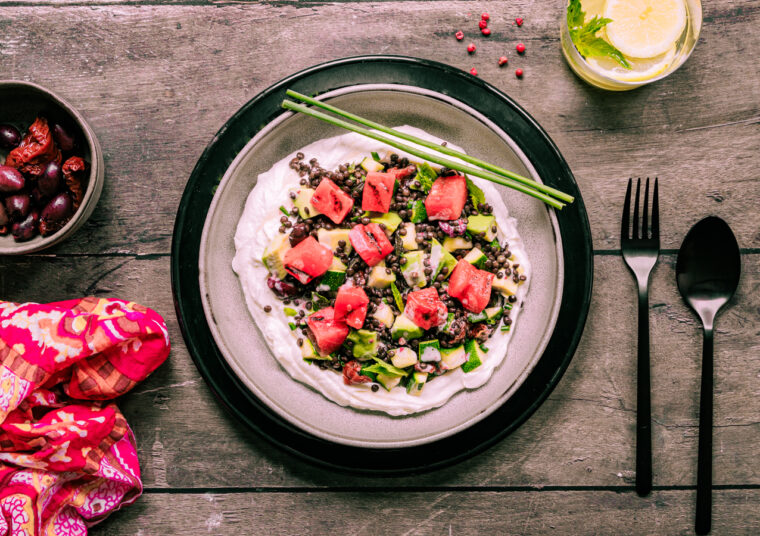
(645, 28)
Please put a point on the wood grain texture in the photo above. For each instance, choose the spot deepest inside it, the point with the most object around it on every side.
(435, 513)
(583, 435)
(157, 81)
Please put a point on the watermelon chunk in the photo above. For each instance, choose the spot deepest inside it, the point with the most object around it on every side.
(425, 308)
(378, 191)
(446, 198)
(370, 242)
(309, 259)
(331, 201)
(326, 332)
(402, 173)
(471, 286)
(351, 306)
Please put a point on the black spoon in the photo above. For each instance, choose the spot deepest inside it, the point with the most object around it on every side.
(708, 270)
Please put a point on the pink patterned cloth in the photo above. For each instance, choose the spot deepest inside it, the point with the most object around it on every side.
(67, 456)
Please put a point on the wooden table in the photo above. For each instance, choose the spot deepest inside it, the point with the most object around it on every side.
(157, 78)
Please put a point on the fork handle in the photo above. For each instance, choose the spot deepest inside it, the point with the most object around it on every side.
(704, 455)
(643, 402)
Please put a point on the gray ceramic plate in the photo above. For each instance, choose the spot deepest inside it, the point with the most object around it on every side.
(240, 341)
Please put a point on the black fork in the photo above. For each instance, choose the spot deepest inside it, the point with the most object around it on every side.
(640, 248)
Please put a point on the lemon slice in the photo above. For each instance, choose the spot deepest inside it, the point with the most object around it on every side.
(644, 28)
(642, 69)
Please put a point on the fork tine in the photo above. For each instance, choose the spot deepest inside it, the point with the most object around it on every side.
(655, 213)
(636, 210)
(644, 225)
(626, 212)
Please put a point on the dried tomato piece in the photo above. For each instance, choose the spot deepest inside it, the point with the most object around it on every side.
(36, 150)
(352, 373)
(73, 171)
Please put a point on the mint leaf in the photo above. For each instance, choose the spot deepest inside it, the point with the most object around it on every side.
(476, 194)
(381, 367)
(375, 156)
(426, 175)
(584, 35)
(397, 297)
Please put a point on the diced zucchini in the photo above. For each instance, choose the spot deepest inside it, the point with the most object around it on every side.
(482, 223)
(456, 242)
(430, 351)
(413, 269)
(365, 343)
(409, 240)
(476, 257)
(332, 238)
(416, 383)
(334, 278)
(439, 258)
(388, 381)
(337, 265)
(419, 214)
(475, 355)
(274, 255)
(309, 352)
(493, 314)
(391, 220)
(303, 203)
(505, 285)
(384, 314)
(448, 325)
(452, 358)
(404, 357)
(370, 165)
(404, 327)
(379, 276)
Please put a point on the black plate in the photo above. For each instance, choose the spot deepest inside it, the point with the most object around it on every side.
(538, 148)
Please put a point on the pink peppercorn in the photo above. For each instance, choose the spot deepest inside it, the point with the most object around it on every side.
(519, 73)
(519, 21)
(459, 35)
(474, 71)
(503, 61)
(486, 31)
(471, 48)
(485, 16)
(482, 24)
(520, 48)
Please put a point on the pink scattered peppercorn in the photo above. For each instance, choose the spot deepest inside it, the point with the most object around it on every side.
(519, 21)
(459, 35)
(486, 31)
(520, 48)
(503, 61)
(471, 48)
(482, 24)
(485, 16)
(519, 73)
(474, 71)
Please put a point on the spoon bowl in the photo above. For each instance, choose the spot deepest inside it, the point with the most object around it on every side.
(707, 272)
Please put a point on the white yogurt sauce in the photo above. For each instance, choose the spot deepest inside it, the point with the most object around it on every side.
(259, 224)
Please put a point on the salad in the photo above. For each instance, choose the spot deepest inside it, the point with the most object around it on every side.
(390, 273)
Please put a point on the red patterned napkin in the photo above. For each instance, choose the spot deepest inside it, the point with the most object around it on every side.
(67, 457)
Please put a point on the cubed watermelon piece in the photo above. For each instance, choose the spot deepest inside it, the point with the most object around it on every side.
(327, 333)
(351, 306)
(378, 191)
(425, 308)
(331, 201)
(402, 173)
(446, 198)
(471, 286)
(309, 259)
(370, 242)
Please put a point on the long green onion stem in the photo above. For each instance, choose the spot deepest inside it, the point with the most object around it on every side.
(431, 145)
(464, 168)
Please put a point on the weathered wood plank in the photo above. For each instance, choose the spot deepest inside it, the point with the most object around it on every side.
(157, 81)
(432, 513)
(582, 436)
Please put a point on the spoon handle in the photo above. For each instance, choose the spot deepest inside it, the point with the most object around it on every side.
(704, 457)
(643, 402)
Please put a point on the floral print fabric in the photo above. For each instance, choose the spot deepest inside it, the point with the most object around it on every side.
(67, 456)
